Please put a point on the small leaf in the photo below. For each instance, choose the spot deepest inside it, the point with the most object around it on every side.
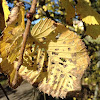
(93, 30)
(10, 69)
(70, 13)
(87, 13)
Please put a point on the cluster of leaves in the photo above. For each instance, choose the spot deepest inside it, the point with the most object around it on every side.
(47, 45)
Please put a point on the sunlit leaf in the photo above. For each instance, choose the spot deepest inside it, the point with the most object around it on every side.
(12, 35)
(10, 46)
(5, 10)
(87, 13)
(57, 60)
(10, 43)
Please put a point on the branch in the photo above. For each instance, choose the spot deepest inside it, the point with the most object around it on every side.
(27, 31)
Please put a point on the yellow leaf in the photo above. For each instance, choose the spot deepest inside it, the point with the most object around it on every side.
(9, 69)
(5, 10)
(10, 46)
(57, 66)
(93, 30)
(53, 59)
(69, 9)
(87, 13)
(12, 34)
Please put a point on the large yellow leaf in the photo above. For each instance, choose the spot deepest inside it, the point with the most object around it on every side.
(10, 46)
(87, 13)
(93, 30)
(55, 63)
(70, 11)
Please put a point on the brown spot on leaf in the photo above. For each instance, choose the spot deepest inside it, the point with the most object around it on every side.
(69, 49)
(55, 76)
(65, 66)
(58, 69)
(70, 60)
(74, 54)
(54, 53)
(64, 42)
(62, 75)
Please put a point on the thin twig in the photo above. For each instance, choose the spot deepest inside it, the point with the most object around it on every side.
(4, 92)
(27, 31)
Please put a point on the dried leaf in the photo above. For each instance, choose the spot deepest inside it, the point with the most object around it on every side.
(87, 13)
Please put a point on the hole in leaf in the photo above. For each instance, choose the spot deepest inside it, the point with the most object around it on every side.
(16, 24)
(52, 63)
(60, 63)
(70, 76)
(57, 37)
(62, 59)
(69, 49)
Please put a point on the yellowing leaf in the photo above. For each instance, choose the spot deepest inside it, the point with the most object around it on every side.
(93, 30)
(10, 46)
(5, 10)
(65, 67)
(87, 13)
(53, 59)
(9, 69)
(12, 35)
(69, 9)
(54, 63)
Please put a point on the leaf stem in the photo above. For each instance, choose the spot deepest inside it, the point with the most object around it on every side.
(27, 31)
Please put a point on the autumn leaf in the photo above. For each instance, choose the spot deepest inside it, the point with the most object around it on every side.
(70, 13)
(12, 35)
(93, 30)
(5, 10)
(9, 70)
(54, 62)
(10, 46)
(10, 43)
(87, 13)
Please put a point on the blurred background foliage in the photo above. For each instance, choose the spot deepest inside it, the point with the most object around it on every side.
(53, 9)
